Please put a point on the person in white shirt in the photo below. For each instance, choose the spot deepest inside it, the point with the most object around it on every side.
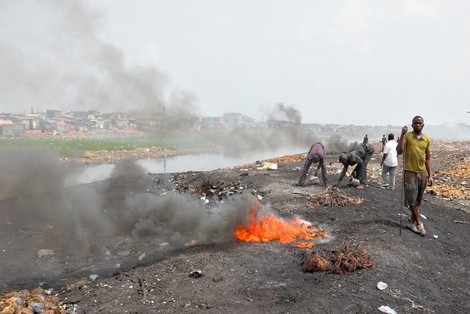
(389, 163)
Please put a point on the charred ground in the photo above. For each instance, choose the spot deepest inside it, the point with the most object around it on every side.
(217, 274)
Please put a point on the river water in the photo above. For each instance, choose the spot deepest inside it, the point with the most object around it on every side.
(183, 163)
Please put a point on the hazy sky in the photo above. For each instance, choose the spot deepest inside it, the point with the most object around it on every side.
(347, 62)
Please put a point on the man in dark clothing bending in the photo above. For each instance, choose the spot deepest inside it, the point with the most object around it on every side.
(315, 155)
(360, 157)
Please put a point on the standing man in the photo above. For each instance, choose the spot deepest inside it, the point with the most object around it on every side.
(315, 155)
(383, 141)
(360, 157)
(389, 163)
(416, 147)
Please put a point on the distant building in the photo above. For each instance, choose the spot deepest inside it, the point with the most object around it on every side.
(11, 129)
(53, 113)
(80, 114)
(213, 123)
(282, 124)
(233, 120)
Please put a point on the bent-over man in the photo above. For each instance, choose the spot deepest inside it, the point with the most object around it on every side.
(359, 156)
(315, 155)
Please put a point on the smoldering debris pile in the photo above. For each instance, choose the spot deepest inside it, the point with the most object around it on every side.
(332, 196)
(346, 261)
(35, 301)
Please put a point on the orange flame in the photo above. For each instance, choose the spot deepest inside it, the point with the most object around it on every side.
(266, 228)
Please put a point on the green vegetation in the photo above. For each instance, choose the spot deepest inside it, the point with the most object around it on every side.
(67, 147)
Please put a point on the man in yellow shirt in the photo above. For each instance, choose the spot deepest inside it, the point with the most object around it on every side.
(416, 147)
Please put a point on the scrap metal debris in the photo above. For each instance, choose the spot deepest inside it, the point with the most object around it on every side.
(332, 196)
(346, 261)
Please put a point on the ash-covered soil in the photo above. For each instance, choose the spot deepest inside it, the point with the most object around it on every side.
(150, 243)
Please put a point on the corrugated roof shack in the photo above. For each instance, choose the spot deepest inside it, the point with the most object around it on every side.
(14, 129)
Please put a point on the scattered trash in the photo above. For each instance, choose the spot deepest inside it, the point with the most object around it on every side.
(45, 252)
(424, 217)
(141, 257)
(197, 273)
(449, 191)
(216, 190)
(354, 182)
(381, 285)
(313, 179)
(387, 309)
(447, 185)
(35, 301)
(436, 236)
(267, 166)
(191, 243)
(93, 277)
(217, 278)
(77, 284)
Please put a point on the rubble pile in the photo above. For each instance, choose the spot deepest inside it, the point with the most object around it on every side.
(346, 261)
(29, 302)
(332, 196)
(460, 171)
(450, 191)
(452, 183)
(288, 159)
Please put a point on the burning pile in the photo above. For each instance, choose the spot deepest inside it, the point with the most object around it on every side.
(344, 262)
(268, 227)
(332, 196)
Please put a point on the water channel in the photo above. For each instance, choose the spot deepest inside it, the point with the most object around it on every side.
(183, 163)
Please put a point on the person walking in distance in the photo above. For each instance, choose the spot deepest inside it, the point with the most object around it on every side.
(315, 155)
(416, 147)
(383, 141)
(389, 163)
(359, 156)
